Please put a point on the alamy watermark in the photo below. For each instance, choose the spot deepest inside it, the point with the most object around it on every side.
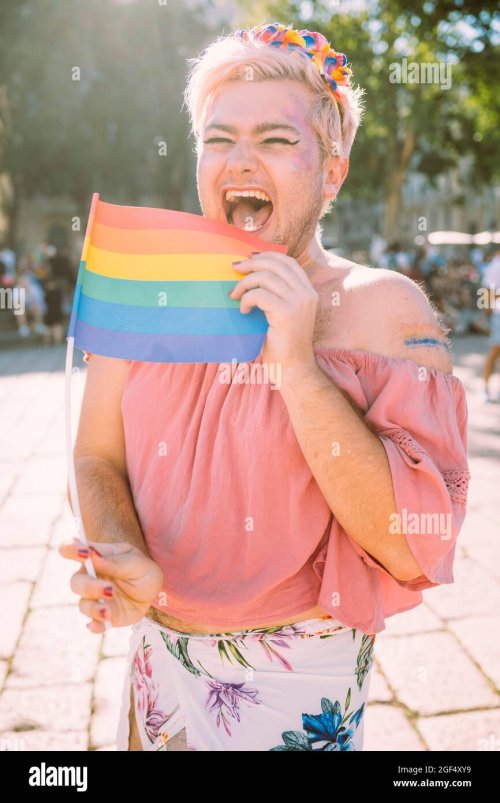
(414, 72)
(244, 373)
(488, 297)
(44, 775)
(408, 523)
(13, 298)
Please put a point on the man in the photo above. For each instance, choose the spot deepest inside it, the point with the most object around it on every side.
(228, 508)
(8, 257)
(491, 280)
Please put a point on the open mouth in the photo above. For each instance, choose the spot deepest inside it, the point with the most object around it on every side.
(248, 212)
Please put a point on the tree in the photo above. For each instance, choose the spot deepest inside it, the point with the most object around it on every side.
(408, 125)
(91, 101)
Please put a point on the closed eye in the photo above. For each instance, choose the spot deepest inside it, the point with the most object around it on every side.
(269, 139)
(281, 139)
(216, 139)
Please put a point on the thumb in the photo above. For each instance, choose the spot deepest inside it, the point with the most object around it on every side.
(112, 559)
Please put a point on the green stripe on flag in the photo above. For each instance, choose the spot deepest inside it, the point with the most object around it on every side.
(157, 294)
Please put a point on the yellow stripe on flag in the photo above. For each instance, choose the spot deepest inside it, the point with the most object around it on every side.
(157, 267)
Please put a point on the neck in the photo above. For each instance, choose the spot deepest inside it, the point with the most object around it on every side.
(313, 256)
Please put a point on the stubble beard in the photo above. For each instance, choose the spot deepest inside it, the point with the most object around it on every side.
(302, 230)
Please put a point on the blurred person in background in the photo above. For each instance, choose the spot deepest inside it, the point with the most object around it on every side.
(472, 319)
(35, 308)
(491, 279)
(437, 285)
(53, 297)
(5, 280)
(397, 258)
(8, 257)
(63, 271)
(378, 246)
(476, 257)
(453, 288)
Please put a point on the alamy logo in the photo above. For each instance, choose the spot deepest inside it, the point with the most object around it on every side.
(415, 72)
(13, 298)
(244, 373)
(59, 776)
(409, 523)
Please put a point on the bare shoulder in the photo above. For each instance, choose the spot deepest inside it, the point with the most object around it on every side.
(393, 315)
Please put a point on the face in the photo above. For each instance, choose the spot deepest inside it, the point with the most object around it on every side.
(256, 134)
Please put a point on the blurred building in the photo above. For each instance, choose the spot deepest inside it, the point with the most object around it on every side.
(446, 206)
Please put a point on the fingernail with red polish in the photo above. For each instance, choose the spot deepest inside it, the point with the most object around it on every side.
(83, 553)
(108, 591)
(104, 612)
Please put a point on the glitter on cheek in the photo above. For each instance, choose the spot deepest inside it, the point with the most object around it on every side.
(302, 157)
(300, 164)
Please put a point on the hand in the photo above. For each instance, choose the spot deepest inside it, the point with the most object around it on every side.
(132, 579)
(276, 284)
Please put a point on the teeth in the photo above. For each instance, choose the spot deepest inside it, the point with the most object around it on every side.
(232, 194)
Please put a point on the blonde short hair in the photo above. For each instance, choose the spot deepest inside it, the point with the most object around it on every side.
(228, 58)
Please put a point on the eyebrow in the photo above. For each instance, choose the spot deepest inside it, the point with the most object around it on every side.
(261, 128)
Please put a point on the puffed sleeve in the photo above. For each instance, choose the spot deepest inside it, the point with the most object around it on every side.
(420, 415)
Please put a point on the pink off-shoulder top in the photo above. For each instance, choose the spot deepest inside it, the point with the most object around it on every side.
(233, 515)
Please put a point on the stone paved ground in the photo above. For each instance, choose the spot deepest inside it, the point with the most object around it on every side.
(437, 676)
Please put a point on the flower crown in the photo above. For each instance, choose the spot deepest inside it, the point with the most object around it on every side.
(331, 65)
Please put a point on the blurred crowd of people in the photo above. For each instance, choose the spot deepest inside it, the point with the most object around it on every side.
(454, 280)
(47, 277)
(451, 277)
(453, 288)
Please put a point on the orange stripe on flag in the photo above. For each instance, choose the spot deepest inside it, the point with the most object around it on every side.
(166, 241)
(148, 218)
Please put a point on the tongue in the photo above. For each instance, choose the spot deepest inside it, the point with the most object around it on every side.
(246, 216)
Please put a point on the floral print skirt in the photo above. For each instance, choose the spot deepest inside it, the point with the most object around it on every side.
(302, 686)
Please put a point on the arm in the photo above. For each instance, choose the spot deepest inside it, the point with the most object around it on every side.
(108, 510)
(126, 575)
(356, 480)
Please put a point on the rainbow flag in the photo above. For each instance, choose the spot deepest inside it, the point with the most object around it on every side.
(152, 287)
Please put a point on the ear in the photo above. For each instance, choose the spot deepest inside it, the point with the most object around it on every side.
(335, 170)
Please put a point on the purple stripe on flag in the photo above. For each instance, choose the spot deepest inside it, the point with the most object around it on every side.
(167, 348)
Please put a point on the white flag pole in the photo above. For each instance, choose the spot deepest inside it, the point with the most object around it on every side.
(73, 490)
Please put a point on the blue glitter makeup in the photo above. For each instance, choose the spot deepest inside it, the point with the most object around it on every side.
(425, 341)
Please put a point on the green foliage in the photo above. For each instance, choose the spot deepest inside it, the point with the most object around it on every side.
(101, 132)
(409, 125)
